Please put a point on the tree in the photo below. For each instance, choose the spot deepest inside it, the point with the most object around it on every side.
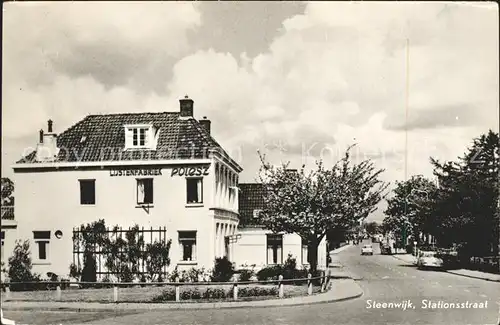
(7, 192)
(157, 258)
(313, 203)
(467, 204)
(20, 266)
(409, 211)
(372, 228)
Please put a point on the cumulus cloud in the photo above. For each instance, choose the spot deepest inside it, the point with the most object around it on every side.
(328, 76)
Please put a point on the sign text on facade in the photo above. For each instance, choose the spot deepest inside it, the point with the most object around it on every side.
(190, 171)
(136, 172)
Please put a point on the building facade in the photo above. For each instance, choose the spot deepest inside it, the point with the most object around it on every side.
(156, 170)
(259, 247)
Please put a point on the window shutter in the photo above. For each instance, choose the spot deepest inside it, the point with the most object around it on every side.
(128, 138)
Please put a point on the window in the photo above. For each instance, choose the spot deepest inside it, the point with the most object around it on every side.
(187, 242)
(145, 191)
(2, 251)
(87, 191)
(274, 249)
(194, 188)
(305, 257)
(138, 136)
(42, 239)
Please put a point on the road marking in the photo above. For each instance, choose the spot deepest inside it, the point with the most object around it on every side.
(414, 276)
(466, 290)
(385, 277)
(448, 286)
(484, 296)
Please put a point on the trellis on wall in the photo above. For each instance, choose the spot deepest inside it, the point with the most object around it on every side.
(98, 250)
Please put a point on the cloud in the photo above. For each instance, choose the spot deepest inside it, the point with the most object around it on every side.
(337, 76)
(331, 75)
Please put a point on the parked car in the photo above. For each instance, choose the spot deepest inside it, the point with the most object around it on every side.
(429, 260)
(367, 250)
(385, 249)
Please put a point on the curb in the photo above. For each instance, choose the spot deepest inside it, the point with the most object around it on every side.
(454, 273)
(473, 277)
(195, 306)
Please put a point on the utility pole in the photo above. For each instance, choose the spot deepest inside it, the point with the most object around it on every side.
(406, 134)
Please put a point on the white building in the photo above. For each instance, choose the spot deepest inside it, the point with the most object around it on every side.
(155, 170)
(161, 171)
(260, 247)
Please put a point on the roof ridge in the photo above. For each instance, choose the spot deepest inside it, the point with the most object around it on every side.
(130, 113)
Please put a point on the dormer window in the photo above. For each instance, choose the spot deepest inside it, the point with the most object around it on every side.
(139, 137)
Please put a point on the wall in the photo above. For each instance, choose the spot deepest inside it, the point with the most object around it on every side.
(9, 229)
(251, 248)
(51, 201)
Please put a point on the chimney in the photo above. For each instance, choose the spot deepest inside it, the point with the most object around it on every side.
(205, 124)
(49, 128)
(186, 106)
(47, 148)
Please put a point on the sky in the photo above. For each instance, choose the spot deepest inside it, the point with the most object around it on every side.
(296, 81)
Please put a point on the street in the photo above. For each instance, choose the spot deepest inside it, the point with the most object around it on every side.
(383, 278)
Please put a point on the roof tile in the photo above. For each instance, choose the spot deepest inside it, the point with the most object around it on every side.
(105, 139)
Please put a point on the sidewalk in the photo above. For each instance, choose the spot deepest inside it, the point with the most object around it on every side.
(334, 258)
(476, 275)
(462, 272)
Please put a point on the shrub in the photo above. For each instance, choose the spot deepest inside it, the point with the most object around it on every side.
(74, 271)
(20, 267)
(223, 270)
(257, 292)
(217, 293)
(269, 273)
(166, 295)
(190, 294)
(89, 271)
(246, 275)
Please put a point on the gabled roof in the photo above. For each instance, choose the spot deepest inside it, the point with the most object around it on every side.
(251, 198)
(104, 139)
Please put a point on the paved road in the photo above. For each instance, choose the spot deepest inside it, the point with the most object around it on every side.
(383, 278)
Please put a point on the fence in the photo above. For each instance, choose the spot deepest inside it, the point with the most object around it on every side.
(100, 255)
(113, 287)
(486, 264)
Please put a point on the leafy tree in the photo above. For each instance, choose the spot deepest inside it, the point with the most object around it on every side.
(157, 258)
(123, 255)
(311, 204)
(372, 228)
(7, 191)
(20, 263)
(89, 238)
(467, 203)
(410, 210)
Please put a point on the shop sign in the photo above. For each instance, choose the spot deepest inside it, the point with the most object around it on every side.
(190, 171)
(135, 172)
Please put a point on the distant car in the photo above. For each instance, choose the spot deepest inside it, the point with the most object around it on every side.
(367, 250)
(429, 260)
(385, 249)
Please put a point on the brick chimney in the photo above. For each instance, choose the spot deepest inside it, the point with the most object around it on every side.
(47, 148)
(205, 124)
(186, 107)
